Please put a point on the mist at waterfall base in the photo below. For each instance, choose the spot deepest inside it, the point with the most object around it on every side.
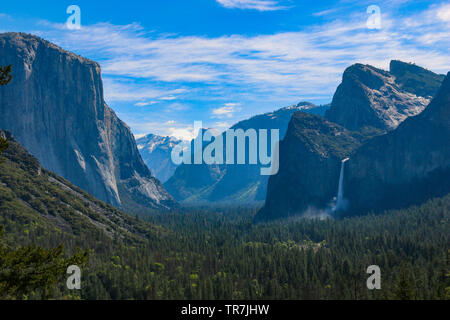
(337, 204)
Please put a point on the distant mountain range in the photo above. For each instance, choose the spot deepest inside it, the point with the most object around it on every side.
(156, 152)
(398, 154)
(392, 125)
(232, 184)
(370, 102)
(55, 108)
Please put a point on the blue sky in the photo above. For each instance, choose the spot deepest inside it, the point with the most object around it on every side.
(168, 63)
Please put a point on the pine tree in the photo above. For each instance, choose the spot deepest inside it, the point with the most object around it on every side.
(404, 289)
(3, 144)
(30, 269)
(33, 269)
(5, 76)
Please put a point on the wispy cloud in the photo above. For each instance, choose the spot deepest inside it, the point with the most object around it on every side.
(144, 104)
(443, 13)
(171, 128)
(142, 67)
(222, 125)
(286, 64)
(169, 98)
(260, 5)
(226, 111)
(126, 89)
(232, 104)
(327, 12)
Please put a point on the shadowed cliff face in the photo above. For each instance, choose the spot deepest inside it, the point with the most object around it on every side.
(370, 97)
(237, 183)
(55, 109)
(406, 166)
(414, 79)
(310, 162)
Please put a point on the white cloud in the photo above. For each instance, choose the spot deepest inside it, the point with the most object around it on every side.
(169, 98)
(432, 26)
(269, 70)
(444, 13)
(326, 12)
(142, 67)
(186, 133)
(177, 107)
(222, 126)
(137, 136)
(144, 104)
(232, 104)
(128, 90)
(171, 128)
(260, 5)
(281, 65)
(226, 111)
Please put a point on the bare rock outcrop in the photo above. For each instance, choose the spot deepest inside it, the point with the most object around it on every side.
(55, 108)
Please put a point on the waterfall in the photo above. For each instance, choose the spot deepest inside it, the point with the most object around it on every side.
(341, 203)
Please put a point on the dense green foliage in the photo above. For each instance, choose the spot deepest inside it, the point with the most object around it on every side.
(30, 271)
(3, 144)
(311, 259)
(5, 75)
(33, 271)
(31, 195)
(221, 254)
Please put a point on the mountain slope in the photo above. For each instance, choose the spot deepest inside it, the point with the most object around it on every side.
(406, 166)
(370, 97)
(55, 109)
(237, 184)
(211, 249)
(32, 197)
(415, 79)
(156, 153)
(310, 161)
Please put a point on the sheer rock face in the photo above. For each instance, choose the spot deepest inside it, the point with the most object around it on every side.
(310, 162)
(55, 108)
(406, 166)
(233, 183)
(370, 97)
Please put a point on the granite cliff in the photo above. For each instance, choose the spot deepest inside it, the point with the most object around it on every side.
(398, 147)
(371, 97)
(406, 166)
(55, 108)
(310, 161)
(233, 183)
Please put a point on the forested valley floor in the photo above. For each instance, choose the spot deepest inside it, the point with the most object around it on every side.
(223, 255)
